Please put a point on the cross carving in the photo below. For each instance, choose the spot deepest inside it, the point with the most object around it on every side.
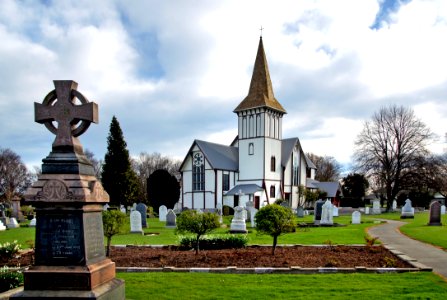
(72, 120)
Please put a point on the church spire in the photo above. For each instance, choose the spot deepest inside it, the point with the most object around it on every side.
(260, 93)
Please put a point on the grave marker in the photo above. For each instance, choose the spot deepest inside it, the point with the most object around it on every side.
(326, 214)
(317, 211)
(171, 219)
(142, 209)
(435, 214)
(407, 210)
(162, 211)
(356, 217)
(13, 223)
(135, 222)
(238, 222)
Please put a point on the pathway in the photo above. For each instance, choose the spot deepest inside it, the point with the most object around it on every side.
(429, 255)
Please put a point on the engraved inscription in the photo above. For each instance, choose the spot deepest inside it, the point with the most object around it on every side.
(94, 236)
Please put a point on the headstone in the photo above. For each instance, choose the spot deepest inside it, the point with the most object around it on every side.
(171, 219)
(407, 210)
(249, 205)
(238, 222)
(2, 226)
(13, 223)
(327, 214)
(162, 211)
(394, 205)
(442, 209)
(69, 255)
(219, 212)
(335, 211)
(356, 217)
(317, 211)
(16, 211)
(142, 209)
(135, 222)
(134, 206)
(300, 212)
(252, 217)
(435, 214)
(123, 209)
(32, 223)
(367, 210)
(376, 207)
(106, 206)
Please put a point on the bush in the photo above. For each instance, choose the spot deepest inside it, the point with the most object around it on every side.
(27, 210)
(113, 223)
(227, 210)
(9, 250)
(10, 278)
(214, 242)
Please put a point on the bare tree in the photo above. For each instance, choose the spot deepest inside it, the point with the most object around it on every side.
(14, 176)
(328, 169)
(97, 164)
(389, 147)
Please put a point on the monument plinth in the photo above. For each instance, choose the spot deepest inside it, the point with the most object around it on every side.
(70, 261)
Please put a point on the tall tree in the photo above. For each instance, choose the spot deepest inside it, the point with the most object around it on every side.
(328, 169)
(118, 177)
(162, 189)
(389, 147)
(354, 188)
(14, 176)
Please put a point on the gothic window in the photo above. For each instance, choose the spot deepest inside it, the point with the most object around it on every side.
(251, 149)
(198, 172)
(296, 171)
(244, 127)
(252, 126)
(258, 125)
(272, 191)
(273, 164)
(225, 182)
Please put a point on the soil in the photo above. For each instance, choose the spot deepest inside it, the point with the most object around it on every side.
(250, 257)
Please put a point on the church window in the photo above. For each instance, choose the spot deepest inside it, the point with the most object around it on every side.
(296, 171)
(244, 127)
(272, 191)
(252, 126)
(258, 125)
(251, 149)
(225, 182)
(273, 164)
(198, 172)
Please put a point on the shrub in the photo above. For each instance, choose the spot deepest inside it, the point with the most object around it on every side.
(9, 250)
(275, 220)
(113, 223)
(191, 221)
(27, 210)
(214, 242)
(227, 210)
(10, 278)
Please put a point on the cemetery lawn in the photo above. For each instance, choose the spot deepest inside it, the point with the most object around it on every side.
(268, 286)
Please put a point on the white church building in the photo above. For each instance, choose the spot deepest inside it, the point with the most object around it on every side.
(258, 166)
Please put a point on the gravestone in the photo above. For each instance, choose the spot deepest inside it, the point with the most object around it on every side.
(106, 206)
(70, 259)
(253, 217)
(219, 212)
(135, 222)
(13, 223)
(317, 211)
(162, 211)
(300, 212)
(3, 217)
(2, 226)
(407, 210)
(435, 214)
(442, 209)
(249, 206)
(142, 209)
(16, 211)
(134, 206)
(335, 211)
(394, 205)
(171, 219)
(123, 209)
(238, 222)
(32, 223)
(356, 217)
(376, 207)
(327, 214)
(367, 210)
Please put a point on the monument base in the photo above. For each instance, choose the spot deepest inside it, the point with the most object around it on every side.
(406, 217)
(111, 290)
(435, 224)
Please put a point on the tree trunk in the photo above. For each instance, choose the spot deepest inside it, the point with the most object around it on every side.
(197, 244)
(275, 240)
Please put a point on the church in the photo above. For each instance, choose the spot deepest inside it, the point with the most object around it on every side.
(259, 165)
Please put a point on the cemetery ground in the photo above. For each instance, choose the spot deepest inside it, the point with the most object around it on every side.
(426, 285)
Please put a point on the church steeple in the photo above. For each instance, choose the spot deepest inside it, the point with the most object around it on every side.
(260, 93)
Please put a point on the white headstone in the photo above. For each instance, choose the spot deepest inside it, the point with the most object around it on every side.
(13, 223)
(134, 206)
(32, 223)
(135, 222)
(106, 206)
(252, 217)
(238, 222)
(327, 214)
(367, 210)
(2, 226)
(335, 211)
(407, 210)
(376, 207)
(219, 212)
(122, 209)
(356, 217)
(162, 211)
(442, 209)
(394, 206)
(171, 219)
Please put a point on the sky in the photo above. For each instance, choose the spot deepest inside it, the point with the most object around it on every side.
(174, 71)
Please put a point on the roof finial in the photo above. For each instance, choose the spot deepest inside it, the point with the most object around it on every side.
(261, 29)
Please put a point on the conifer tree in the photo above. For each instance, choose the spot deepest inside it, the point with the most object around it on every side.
(118, 177)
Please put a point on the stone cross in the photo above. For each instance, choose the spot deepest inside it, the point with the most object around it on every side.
(60, 106)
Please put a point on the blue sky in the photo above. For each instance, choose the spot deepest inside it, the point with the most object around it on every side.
(173, 71)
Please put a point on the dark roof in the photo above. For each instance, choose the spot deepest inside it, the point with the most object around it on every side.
(260, 93)
(287, 149)
(246, 189)
(330, 187)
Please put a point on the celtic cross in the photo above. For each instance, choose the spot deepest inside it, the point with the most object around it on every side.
(72, 120)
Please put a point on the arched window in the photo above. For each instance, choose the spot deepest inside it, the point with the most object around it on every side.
(251, 126)
(251, 149)
(272, 191)
(258, 125)
(244, 127)
(273, 164)
(198, 172)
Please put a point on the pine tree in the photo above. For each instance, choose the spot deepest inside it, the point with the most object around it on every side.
(118, 177)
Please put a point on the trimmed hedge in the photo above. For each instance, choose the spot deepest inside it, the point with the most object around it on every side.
(214, 242)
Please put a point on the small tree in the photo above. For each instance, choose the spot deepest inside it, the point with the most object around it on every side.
(113, 222)
(275, 220)
(191, 221)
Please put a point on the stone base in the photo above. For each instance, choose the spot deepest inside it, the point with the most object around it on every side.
(238, 231)
(435, 224)
(407, 217)
(111, 290)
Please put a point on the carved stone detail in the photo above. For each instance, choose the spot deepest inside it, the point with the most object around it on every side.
(54, 190)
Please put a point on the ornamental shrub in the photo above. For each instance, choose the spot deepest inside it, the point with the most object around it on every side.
(10, 278)
(9, 250)
(113, 223)
(214, 242)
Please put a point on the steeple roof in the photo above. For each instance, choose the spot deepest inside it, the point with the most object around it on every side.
(260, 93)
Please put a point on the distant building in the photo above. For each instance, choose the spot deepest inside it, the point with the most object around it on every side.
(259, 165)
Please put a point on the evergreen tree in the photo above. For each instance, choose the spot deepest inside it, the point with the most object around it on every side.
(118, 177)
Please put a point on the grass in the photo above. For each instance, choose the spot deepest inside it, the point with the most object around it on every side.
(269, 286)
